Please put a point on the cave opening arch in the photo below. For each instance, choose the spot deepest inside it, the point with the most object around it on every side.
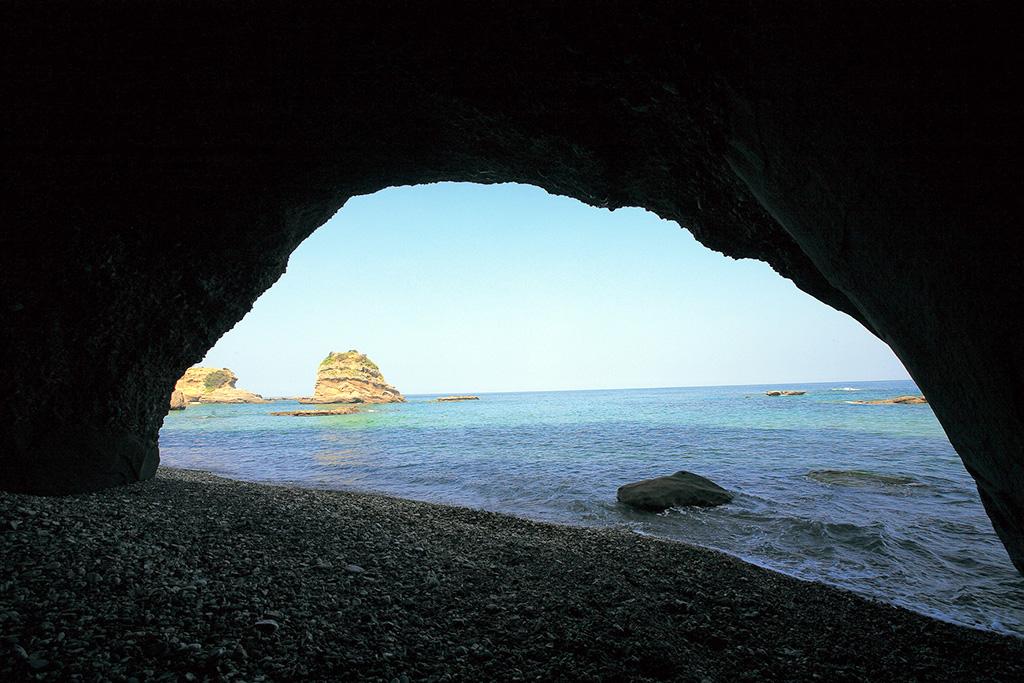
(363, 454)
(422, 275)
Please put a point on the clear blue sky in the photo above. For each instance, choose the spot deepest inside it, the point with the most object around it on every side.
(456, 287)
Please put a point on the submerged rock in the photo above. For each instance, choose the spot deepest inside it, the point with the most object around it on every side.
(214, 385)
(178, 401)
(784, 392)
(351, 377)
(859, 478)
(908, 400)
(344, 410)
(456, 398)
(680, 489)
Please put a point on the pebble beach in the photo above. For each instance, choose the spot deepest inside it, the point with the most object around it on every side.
(191, 577)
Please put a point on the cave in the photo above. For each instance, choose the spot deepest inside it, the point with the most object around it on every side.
(163, 160)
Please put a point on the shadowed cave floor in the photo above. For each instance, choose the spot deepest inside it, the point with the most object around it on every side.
(192, 577)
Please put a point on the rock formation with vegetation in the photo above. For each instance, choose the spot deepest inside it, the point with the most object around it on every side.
(351, 377)
(213, 385)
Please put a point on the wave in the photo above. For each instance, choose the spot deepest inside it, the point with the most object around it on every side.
(845, 389)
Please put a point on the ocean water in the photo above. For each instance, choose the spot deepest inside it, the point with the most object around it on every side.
(901, 523)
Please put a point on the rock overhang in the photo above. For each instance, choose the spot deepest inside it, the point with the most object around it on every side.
(867, 154)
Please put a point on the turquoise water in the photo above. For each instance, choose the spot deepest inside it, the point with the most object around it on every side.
(922, 542)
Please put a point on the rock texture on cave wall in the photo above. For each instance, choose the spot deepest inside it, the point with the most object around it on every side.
(164, 158)
(351, 377)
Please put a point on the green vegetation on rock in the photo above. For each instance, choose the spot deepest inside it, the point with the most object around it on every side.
(216, 379)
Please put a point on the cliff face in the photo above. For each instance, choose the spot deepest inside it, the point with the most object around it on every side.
(213, 385)
(351, 377)
(178, 401)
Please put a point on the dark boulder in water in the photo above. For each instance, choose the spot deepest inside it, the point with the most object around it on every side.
(859, 478)
(682, 489)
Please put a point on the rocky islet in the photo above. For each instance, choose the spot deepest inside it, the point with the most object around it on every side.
(351, 377)
(213, 385)
(341, 410)
(898, 400)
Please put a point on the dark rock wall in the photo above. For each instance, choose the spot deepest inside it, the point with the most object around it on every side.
(164, 159)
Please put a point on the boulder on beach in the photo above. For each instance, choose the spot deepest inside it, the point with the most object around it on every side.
(444, 399)
(351, 377)
(898, 400)
(178, 401)
(214, 385)
(682, 489)
(784, 392)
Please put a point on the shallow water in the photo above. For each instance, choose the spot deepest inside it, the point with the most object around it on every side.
(896, 517)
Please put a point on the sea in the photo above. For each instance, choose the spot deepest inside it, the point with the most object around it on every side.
(869, 498)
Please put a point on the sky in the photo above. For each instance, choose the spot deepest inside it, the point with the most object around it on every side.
(459, 287)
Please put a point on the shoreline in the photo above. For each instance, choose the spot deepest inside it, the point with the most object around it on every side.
(195, 573)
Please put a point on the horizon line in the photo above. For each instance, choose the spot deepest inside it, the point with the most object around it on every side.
(687, 386)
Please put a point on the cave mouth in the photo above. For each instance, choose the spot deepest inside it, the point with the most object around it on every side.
(471, 272)
(873, 161)
(459, 278)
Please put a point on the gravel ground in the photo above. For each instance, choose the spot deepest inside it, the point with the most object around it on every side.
(192, 577)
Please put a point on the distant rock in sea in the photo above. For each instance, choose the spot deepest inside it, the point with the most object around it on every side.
(343, 410)
(784, 392)
(213, 385)
(682, 489)
(178, 401)
(859, 478)
(351, 377)
(444, 399)
(904, 400)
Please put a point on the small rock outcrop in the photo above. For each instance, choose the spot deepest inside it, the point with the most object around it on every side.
(213, 385)
(859, 478)
(784, 392)
(682, 489)
(178, 401)
(905, 400)
(445, 399)
(343, 410)
(351, 377)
